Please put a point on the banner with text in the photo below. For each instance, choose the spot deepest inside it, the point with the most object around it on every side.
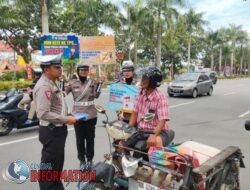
(97, 50)
(68, 45)
(122, 96)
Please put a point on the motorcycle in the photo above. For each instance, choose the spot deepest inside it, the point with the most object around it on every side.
(10, 115)
(199, 167)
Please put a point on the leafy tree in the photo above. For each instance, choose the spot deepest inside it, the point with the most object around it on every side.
(163, 11)
(194, 24)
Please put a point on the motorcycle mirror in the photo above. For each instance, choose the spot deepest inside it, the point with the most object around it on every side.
(100, 109)
(148, 117)
(247, 125)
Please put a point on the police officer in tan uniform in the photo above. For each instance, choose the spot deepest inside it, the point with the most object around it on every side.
(84, 91)
(51, 110)
(129, 79)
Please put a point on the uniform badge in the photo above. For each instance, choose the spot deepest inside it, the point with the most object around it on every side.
(48, 94)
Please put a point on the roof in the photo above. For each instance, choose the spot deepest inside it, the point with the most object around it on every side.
(5, 47)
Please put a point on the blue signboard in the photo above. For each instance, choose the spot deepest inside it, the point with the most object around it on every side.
(122, 96)
(68, 45)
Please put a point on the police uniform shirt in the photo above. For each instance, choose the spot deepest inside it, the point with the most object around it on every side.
(77, 87)
(49, 102)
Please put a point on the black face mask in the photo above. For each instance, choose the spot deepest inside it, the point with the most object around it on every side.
(82, 79)
(129, 80)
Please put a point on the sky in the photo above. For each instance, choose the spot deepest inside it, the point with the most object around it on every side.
(219, 13)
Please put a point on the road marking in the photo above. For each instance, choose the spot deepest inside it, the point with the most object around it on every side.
(230, 93)
(70, 129)
(24, 139)
(244, 114)
(183, 104)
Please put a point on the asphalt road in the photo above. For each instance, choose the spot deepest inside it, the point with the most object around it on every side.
(217, 121)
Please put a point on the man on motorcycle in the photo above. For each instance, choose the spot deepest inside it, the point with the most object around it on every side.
(28, 98)
(150, 100)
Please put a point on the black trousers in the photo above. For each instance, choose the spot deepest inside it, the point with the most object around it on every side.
(53, 141)
(85, 139)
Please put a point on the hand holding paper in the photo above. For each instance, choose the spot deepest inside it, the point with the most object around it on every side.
(81, 116)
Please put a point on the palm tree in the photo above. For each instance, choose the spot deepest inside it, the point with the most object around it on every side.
(172, 45)
(242, 41)
(161, 10)
(194, 22)
(212, 41)
(140, 23)
(8, 17)
(233, 36)
(221, 40)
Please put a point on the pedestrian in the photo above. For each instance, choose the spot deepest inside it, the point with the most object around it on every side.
(84, 91)
(51, 110)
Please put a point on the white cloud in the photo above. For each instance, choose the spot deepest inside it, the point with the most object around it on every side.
(224, 12)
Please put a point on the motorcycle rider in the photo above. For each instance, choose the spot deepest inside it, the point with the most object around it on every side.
(150, 100)
(28, 98)
(84, 91)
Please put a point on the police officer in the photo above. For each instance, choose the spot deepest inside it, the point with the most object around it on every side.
(51, 110)
(128, 73)
(84, 91)
(129, 79)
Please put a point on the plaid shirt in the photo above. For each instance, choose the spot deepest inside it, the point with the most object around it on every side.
(155, 102)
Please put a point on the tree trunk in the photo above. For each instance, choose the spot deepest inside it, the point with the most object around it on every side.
(248, 69)
(212, 62)
(220, 61)
(189, 51)
(172, 71)
(241, 64)
(135, 56)
(241, 59)
(232, 63)
(45, 17)
(245, 68)
(158, 48)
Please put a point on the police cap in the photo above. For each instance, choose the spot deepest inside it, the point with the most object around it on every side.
(47, 60)
(82, 66)
(127, 66)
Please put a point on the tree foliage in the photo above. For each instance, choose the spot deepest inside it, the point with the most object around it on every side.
(156, 28)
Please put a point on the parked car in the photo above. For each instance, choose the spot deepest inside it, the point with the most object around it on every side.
(191, 84)
(212, 75)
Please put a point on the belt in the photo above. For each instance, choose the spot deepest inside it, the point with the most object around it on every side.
(89, 103)
(46, 123)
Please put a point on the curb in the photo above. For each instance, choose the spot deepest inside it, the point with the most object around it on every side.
(234, 78)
